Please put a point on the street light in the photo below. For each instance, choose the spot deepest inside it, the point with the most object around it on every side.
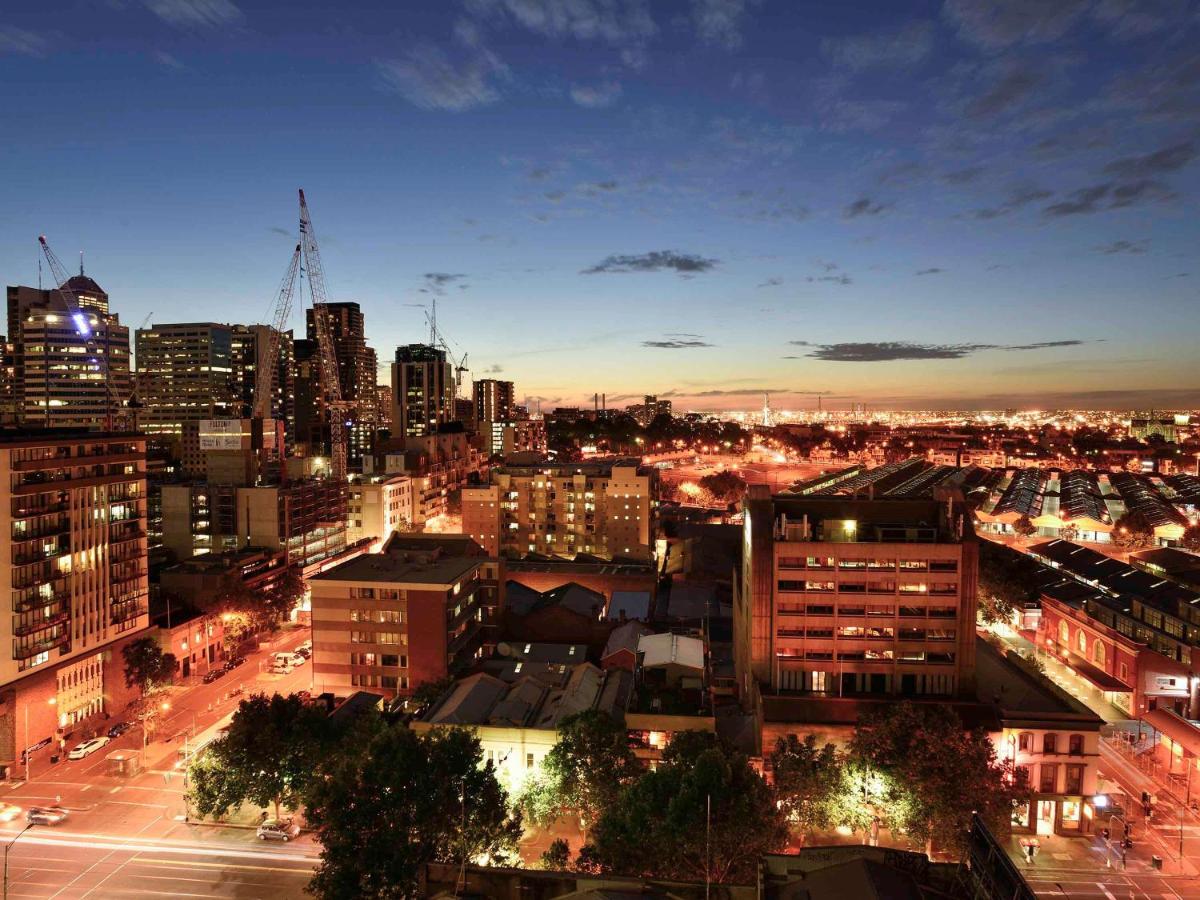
(8, 847)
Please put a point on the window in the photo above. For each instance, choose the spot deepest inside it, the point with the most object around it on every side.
(1064, 634)
(1098, 653)
(1050, 743)
(529, 760)
(1025, 741)
(1124, 672)
(1074, 783)
(1082, 643)
(1075, 748)
(1048, 783)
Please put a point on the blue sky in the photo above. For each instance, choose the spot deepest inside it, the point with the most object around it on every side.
(959, 203)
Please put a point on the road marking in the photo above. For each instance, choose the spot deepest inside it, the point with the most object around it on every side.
(111, 843)
(114, 790)
(86, 787)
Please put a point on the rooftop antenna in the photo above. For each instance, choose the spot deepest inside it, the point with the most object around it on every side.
(81, 262)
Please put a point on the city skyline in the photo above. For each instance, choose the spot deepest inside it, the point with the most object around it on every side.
(952, 205)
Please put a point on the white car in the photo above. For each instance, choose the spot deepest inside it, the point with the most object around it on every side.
(272, 830)
(298, 659)
(87, 748)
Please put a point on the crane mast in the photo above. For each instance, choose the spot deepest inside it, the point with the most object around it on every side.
(331, 388)
(263, 388)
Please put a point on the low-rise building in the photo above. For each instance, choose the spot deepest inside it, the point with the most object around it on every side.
(417, 611)
(377, 507)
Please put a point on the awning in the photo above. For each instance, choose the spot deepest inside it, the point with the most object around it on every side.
(1095, 675)
(1177, 728)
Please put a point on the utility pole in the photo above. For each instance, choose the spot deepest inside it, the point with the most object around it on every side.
(707, 844)
(8, 847)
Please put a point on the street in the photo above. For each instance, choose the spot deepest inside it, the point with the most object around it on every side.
(127, 836)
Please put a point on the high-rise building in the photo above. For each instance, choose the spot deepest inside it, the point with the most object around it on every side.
(249, 347)
(66, 371)
(73, 562)
(185, 374)
(649, 409)
(422, 390)
(493, 400)
(600, 508)
(383, 404)
(357, 364)
(843, 597)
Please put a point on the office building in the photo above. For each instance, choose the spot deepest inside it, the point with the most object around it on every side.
(67, 372)
(356, 364)
(185, 374)
(422, 390)
(493, 400)
(841, 596)
(604, 509)
(74, 564)
(249, 348)
(416, 612)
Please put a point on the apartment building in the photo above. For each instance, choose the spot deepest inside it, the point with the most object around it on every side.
(250, 347)
(493, 400)
(504, 438)
(66, 371)
(73, 561)
(841, 596)
(422, 390)
(185, 374)
(356, 364)
(603, 508)
(417, 611)
(378, 506)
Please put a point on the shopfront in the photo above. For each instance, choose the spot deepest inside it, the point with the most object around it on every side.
(1055, 814)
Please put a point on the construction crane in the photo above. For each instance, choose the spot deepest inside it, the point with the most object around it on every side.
(437, 339)
(263, 387)
(331, 389)
(101, 361)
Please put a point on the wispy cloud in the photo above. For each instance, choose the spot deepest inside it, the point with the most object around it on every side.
(21, 42)
(774, 281)
(1121, 247)
(892, 351)
(677, 343)
(994, 25)
(618, 23)
(596, 96)
(168, 60)
(1167, 159)
(1108, 195)
(437, 282)
(654, 261)
(930, 271)
(842, 279)
(195, 13)
(719, 22)
(901, 48)
(427, 77)
(865, 206)
(1018, 198)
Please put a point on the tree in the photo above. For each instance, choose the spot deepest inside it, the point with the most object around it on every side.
(557, 856)
(808, 778)
(725, 486)
(657, 826)
(589, 764)
(1007, 580)
(1191, 538)
(146, 665)
(1069, 532)
(939, 772)
(1133, 531)
(267, 757)
(277, 601)
(1024, 526)
(402, 800)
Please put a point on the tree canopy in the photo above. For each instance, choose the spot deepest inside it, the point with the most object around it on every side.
(267, 757)
(589, 764)
(146, 664)
(1133, 531)
(1191, 538)
(1007, 580)
(400, 801)
(725, 486)
(808, 780)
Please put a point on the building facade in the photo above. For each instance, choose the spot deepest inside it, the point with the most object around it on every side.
(422, 390)
(418, 611)
(185, 374)
(73, 561)
(356, 363)
(599, 508)
(843, 597)
(377, 507)
(493, 400)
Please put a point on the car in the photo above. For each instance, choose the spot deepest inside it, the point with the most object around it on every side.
(213, 675)
(87, 748)
(45, 815)
(303, 651)
(8, 812)
(299, 659)
(278, 830)
(119, 729)
(281, 668)
(233, 662)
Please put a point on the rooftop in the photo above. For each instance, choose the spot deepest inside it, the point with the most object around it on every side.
(401, 566)
(1015, 687)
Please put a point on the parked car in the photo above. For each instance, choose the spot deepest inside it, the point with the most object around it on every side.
(233, 662)
(119, 729)
(87, 748)
(8, 812)
(275, 830)
(45, 815)
(298, 659)
(303, 651)
(213, 675)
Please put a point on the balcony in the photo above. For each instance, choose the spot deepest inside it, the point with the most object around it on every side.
(39, 555)
(38, 601)
(124, 611)
(28, 651)
(42, 624)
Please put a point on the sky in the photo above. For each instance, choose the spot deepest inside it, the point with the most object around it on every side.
(957, 204)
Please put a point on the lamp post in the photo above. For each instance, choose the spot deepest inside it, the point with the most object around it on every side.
(8, 847)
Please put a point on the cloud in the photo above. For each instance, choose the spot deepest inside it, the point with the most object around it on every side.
(1128, 19)
(1018, 198)
(1121, 247)
(932, 271)
(275, 229)
(892, 351)
(654, 261)
(195, 13)
(676, 344)
(168, 60)
(616, 22)
(1107, 195)
(963, 176)
(437, 282)
(775, 281)
(719, 22)
(895, 49)
(597, 96)
(865, 206)
(426, 77)
(1167, 159)
(1006, 93)
(540, 173)
(843, 280)
(494, 369)
(997, 24)
(21, 42)
(599, 187)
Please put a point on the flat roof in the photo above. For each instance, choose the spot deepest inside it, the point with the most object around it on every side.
(402, 568)
(1014, 687)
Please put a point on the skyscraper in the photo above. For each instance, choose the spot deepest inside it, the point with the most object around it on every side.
(66, 371)
(248, 351)
(422, 390)
(185, 374)
(493, 400)
(357, 364)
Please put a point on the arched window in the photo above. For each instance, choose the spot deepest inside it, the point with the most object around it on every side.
(1098, 653)
(1082, 643)
(1064, 634)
